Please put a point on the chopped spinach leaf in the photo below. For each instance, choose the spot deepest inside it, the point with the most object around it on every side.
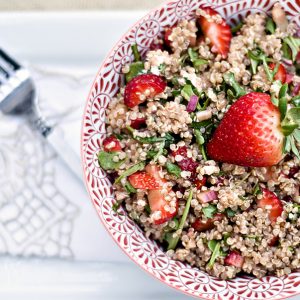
(106, 160)
(173, 169)
(137, 167)
(129, 188)
(209, 211)
(237, 28)
(230, 80)
(216, 253)
(135, 69)
(270, 26)
(230, 213)
(135, 51)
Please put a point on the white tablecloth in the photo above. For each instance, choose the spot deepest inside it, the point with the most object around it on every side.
(44, 212)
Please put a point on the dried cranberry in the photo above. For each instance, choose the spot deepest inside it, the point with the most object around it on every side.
(180, 151)
(188, 164)
(288, 198)
(138, 123)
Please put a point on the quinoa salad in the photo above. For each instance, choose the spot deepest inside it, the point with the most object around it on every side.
(203, 143)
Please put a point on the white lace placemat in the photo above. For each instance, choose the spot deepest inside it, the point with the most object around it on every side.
(44, 212)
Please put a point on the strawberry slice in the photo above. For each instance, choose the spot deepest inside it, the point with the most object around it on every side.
(156, 197)
(270, 199)
(111, 144)
(219, 33)
(143, 87)
(249, 134)
(234, 258)
(201, 225)
(138, 123)
(143, 180)
(281, 72)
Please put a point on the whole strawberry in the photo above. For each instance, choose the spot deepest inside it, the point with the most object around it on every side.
(249, 134)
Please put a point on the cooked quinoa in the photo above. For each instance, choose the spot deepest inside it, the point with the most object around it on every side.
(206, 211)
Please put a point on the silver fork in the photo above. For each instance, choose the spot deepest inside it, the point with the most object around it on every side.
(18, 97)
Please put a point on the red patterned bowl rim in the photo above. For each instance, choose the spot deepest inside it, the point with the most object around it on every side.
(237, 289)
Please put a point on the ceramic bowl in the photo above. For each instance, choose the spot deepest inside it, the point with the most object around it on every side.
(145, 252)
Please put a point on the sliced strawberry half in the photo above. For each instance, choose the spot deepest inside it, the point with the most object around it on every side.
(219, 33)
(156, 197)
(201, 225)
(281, 72)
(271, 200)
(249, 134)
(143, 87)
(138, 123)
(143, 180)
(111, 144)
(234, 258)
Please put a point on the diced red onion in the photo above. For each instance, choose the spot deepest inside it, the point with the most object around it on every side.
(192, 103)
(287, 62)
(296, 90)
(207, 196)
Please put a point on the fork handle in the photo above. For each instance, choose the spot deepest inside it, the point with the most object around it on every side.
(64, 150)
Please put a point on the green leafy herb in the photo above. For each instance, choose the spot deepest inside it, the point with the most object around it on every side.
(196, 61)
(287, 53)
(257, 56)
(206, 128)
(147, 209)
(216, 252)
(135, 51)
(137, 167)
(270, 26)
(187, 92)
(173, 169)
(296, 101)
(237, 28)
(257, 190)
(294, 45)
(149, 140)
(173, 241)
(226, 235)
(106, 160)
(119, 136)
(152, 153)
(230, 80)
(230, 213)
(212, 245)
(115, 207)
(129, 188)
(135, 69)
(160, 151)
(200, 141)
(162, 68)
(209, 211)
